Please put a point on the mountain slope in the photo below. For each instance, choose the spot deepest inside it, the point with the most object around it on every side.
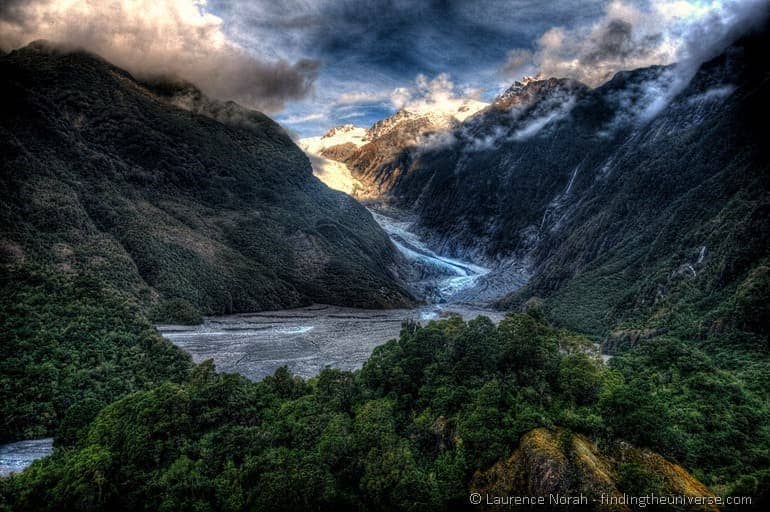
(372, 155)
(209, 207)
(608, 193)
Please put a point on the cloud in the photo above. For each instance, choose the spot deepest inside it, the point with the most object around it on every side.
(629, 36)
(518, 63)
(360, 97)
(424, 92)
(624, 38)
(375, 46)
(315, 116)
(678, 34)
(555, 107)
(152, 38)
(439, 95)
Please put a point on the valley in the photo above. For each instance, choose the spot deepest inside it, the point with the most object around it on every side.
(202, 310)
(306, 340)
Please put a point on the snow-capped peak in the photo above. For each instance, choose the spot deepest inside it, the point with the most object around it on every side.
(343, 134)
(441, 114)
(349, 130)
(457, 108)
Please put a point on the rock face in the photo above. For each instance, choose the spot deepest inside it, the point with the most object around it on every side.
(555, 462)
(610, 194)
(171, 196)
(372, 155)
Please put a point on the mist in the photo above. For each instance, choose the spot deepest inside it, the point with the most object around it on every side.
(161, 38)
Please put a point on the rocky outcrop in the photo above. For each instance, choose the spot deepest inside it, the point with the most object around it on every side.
(558, 465)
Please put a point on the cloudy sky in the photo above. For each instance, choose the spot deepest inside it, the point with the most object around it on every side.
(313, 64)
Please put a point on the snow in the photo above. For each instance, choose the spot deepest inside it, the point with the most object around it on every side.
(457, 108)
(441, 114)
(356, 135)
(334, 174)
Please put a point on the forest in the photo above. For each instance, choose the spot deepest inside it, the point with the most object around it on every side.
(429, 417)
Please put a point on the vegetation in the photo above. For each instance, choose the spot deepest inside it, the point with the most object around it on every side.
(208, 209)
(68, 346)
(407, 431)
(102, 229)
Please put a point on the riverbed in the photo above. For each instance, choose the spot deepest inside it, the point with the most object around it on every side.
(14, 457)
(306, 340)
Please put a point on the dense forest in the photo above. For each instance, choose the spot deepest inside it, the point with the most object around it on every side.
(206, 209)
(70, 345)
(428, 418)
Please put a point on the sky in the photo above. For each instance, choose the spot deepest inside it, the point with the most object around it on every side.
(314, 64)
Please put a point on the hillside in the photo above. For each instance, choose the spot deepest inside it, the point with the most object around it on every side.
(191, 206)
(633, 200)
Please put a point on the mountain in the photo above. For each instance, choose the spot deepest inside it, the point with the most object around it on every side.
(371, 155)
(190, 205)
(639, 206)
(327, 151)
(634, 200)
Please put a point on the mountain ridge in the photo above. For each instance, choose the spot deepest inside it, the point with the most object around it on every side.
(558, 175)
(173, 203)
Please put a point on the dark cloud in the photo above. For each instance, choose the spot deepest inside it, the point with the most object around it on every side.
(631, 35)
(151, 38)
(615, 41)
(389, 42)
(409, 37)
(307, 56)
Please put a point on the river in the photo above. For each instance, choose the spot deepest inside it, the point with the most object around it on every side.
(308, 339)
(305, 340)
(14, 457)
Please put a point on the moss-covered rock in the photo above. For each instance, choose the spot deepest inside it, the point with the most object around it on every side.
(551, 462)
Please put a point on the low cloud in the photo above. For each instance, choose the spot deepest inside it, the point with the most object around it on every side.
(624, 38)
(674, 33)
(154, 38)
(525, 120)
(424, 92)
(552, 109)
(628, 36)
(437, 95)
